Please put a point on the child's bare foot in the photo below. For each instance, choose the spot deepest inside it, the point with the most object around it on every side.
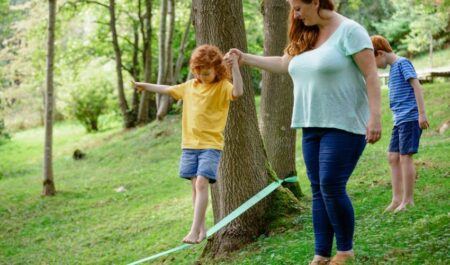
(391, 207)
(201, 235)
(403, 206)
(191, 238)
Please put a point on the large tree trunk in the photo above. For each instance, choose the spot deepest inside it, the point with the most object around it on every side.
(48, 183)
(129, 119)
(147, 106)
(276, 111)
(165, 100)
(244, 168)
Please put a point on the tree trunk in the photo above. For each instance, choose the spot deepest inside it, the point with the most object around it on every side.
(183, 45)
(128, 117)
(135, 72)
(48, 183)
(165, 100)
(430, 51)
(162, 50)
(147, 106)
(244, 169)
(276, 111)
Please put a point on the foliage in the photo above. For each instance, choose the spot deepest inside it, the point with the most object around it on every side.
(83, 43)
(413, 24)
(89, 100)
(366, 12)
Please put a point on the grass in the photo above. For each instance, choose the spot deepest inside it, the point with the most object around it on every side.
(88, 222)
(440, 59)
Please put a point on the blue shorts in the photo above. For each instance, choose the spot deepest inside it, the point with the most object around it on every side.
(405, 138)
(200, 162)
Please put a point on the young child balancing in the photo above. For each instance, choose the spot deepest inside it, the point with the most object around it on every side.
(206, 100)
(407, 105)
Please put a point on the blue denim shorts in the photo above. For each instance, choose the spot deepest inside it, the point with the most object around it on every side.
(200, 162)
(405, 138)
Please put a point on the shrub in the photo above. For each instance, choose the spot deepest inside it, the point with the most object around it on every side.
(88, 103)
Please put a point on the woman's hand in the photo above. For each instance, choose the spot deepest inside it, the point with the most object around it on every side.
(373, 131)
(233, 52)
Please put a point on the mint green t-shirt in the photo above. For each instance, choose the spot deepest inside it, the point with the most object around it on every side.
(329, 89)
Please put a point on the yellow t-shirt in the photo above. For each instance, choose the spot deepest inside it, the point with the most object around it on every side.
(205, 112)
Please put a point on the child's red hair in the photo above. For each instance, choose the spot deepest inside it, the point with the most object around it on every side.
(209, 56)
(380, 44)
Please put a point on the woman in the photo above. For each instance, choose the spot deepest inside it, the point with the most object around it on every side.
(337, 105)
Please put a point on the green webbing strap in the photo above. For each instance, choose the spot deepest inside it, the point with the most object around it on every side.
(227, 219)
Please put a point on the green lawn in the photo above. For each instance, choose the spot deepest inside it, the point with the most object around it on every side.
(88, 222)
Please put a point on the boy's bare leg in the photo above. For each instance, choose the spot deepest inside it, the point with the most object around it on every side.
(397, 181)
(193, 181)
(409, 175)
(198, 231)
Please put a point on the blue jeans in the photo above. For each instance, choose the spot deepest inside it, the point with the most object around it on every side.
(330, 156)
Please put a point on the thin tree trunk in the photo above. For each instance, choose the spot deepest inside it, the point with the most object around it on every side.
(129, 120)
(162, 50)
(147, 107)
(183, 45)
(244, 169)
(135, 68)
(430, 52)
(48, 183)
(276, 111)
(165, 100)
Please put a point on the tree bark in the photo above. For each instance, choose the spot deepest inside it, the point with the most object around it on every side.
(128, 117)
(162, 50)
(244, 169)
(183, 45)
(147, 106)
(48, 183)
(135, 70)
(165, 100)
(276, 111)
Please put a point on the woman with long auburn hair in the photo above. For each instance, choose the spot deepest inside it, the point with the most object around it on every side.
(337, 104)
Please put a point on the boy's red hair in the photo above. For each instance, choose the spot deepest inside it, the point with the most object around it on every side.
(380, 44)
(209, 56)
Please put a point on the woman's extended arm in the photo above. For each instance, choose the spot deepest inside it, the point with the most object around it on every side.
(274, 64)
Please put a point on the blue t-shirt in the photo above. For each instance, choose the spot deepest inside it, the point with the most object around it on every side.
(402, 100)
(329, 88)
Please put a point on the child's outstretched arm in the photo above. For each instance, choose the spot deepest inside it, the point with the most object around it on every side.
(423, 121)
(140, 86)
(238, 85)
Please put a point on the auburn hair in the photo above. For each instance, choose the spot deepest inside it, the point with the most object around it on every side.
(209, 56)
(380, 44)
(302, 38)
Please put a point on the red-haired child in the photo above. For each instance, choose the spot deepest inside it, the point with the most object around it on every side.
(407, 105)
(206, 100)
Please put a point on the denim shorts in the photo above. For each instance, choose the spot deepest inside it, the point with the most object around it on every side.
(405, 138)
(200, 162)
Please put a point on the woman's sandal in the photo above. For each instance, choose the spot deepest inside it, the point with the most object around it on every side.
(341, 259)
(320, 262)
